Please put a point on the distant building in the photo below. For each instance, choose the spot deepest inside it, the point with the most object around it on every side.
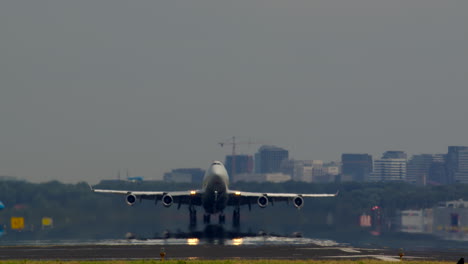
(269, 159)
(193, 175)
(437, 171)
(356, 167)
(457, 164)
(451, 220)
(392, 167)
(332, 168)
(243, 164)
(257, 163)
(263, 177)
(418, 168)
(447, 220)
(310, 170)
(292, 167)
(416, 221)
(314, 171)
(394, 154)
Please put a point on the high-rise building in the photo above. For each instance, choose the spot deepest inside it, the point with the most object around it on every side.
(461, 175)
(356, 167)
(392, 167)
(419, 168)
(437, 171)
(270, 159)
(244, 164)
(457, 164)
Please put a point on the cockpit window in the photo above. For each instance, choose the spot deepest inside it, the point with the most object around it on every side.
(216, 163)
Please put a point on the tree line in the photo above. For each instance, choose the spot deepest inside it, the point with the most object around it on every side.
(79, 213)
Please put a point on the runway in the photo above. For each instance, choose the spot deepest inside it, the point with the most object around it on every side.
(151, 250)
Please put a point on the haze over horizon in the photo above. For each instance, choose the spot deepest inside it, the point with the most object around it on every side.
(90, 87)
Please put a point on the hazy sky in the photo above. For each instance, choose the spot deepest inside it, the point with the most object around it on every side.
(88, 87)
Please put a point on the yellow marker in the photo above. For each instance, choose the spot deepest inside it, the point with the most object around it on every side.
(17, 223)
(47, 221)
(162, 253)
(401, 254)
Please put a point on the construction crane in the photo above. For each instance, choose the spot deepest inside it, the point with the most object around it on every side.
(232, 142)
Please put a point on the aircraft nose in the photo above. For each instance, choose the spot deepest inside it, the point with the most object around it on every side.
(216, 169)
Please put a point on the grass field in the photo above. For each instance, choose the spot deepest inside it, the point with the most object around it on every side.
(220, 262)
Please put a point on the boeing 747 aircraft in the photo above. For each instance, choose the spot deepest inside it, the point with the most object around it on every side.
(214, 197)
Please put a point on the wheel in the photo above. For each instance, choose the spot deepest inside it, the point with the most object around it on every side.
(222, 219)
(206, 218)
(236, 218)
(193, 218)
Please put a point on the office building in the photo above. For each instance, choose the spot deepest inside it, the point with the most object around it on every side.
(356, 167)
(243, 164)
(437, 171)
(391, 167)
(457, 164)
(418, 169)
(193, 175)
(270, 159)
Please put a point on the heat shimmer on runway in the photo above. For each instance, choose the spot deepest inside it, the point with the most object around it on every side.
(235, 249)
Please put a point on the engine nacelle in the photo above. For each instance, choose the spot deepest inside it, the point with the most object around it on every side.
(131, 199)
(167, 200)
(262, 201)
(298, 202)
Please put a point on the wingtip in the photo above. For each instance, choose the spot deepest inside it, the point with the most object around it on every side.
(91, 187)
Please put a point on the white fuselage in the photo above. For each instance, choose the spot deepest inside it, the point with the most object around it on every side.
(215, 187)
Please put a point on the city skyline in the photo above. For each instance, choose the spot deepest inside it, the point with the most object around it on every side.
(272, 164)
(88, 88)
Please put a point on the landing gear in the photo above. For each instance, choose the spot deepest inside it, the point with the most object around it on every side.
(206, 218)
(236, 217)
(193, 216)
(222, 218)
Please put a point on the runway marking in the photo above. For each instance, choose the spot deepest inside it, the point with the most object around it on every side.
(380, 257)
(347, 250)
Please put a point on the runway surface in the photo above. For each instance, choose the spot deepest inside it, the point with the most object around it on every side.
(235, 249)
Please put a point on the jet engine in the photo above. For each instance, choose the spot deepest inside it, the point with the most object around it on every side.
(130, 199)
(262, 201)
(167, 200)
(298, 202)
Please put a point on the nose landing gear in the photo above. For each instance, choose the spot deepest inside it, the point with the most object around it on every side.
(206, 218)
(222, 218)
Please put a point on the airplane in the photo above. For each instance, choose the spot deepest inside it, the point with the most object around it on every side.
(214, 197)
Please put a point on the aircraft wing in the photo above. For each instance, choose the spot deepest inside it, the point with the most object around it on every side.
(192, 197)
(243, 198)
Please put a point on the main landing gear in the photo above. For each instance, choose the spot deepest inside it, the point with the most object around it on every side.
(236, 217)
(193, 216)
(206, 218)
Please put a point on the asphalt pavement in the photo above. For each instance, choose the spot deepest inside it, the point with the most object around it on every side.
(209, 251)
